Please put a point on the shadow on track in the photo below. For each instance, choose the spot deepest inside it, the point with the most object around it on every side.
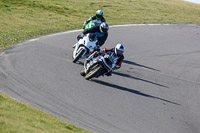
(136, 64)
(130, 90)
(129, 76)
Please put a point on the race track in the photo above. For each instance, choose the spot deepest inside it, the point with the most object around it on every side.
(157, 89)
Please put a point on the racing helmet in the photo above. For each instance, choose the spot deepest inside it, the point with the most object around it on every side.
(119, 49)
(104, 27)
(99, 14)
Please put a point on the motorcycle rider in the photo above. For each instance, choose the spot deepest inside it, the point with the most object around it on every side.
(116, 53)
(98, 17)
(101, 32)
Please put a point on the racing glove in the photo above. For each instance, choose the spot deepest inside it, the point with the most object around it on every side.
(80, 36)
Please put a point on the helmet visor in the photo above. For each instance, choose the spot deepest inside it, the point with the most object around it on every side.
(99, 16)
(104, 30)
(119, 52)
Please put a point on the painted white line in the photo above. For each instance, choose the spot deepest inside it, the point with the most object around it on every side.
(33, 40)
(127, 25)
(61, 33)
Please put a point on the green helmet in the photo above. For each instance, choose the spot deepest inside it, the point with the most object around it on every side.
(99, 13)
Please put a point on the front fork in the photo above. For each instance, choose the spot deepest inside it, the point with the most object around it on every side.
(89, 64)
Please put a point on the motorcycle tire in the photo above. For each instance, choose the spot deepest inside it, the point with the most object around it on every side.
(82, 73)
(93, 73)
(78, 55)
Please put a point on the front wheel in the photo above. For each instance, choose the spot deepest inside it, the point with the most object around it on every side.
(93, 72)
(78, 55)
(82, 73)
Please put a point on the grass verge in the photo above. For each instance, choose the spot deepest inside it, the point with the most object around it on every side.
(17, 117)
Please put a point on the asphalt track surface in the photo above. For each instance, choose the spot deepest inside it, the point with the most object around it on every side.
(157, 89)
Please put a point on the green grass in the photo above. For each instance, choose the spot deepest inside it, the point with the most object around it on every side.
(17, 117)
(25, 19)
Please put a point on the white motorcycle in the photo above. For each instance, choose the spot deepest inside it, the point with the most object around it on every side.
(84, 47)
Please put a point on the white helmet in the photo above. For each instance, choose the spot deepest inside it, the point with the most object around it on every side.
(104, 27)
(119, 49)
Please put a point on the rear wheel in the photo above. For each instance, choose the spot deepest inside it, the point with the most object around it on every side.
(78, 55)
(93, 72)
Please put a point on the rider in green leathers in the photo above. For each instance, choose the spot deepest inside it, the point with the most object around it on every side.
(95, 24)
(94, 20)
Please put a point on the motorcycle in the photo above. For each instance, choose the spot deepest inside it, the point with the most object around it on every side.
(84, 47)
(97, 66)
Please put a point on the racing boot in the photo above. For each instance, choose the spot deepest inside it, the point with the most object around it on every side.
(109, 74)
